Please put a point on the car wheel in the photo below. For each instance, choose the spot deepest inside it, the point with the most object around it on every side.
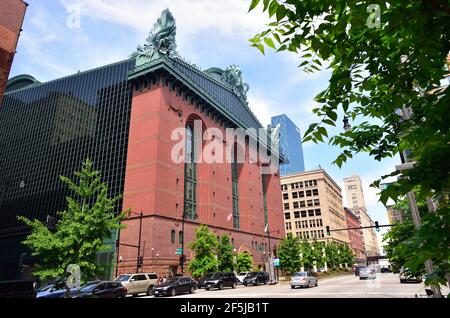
(317, 282)
(245, 284)
(173, 292)
(207, 288)
(292, 287)
(150, 290)
(220, 286)
(233, 286)
(191, 290)
(135, 295)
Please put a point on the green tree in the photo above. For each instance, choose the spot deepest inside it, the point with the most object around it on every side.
(318, 255)
(204, 248)
(332, 255)
(244, 262)
(378, 67)
(289, 253)
(81, 230)
(346, 255)
(307, 255)
(225, 255)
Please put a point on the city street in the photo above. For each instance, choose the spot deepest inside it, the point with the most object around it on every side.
(384, 286)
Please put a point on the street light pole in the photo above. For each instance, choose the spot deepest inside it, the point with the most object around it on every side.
(141, 214)
(182, 244)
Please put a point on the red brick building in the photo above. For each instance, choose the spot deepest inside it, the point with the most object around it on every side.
(238, 200)
(12, 13)
(355, 237)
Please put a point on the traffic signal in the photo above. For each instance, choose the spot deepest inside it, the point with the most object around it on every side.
(327, 229)
(141, 261)
(377, 227)
(182, 259)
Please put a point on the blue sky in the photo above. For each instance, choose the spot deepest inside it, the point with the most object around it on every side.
(209, 33)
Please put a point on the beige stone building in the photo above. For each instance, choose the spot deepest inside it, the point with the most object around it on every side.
(357, 204)
(312, 200)
(394, 215)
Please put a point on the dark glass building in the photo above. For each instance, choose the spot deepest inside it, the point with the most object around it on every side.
(47, 130)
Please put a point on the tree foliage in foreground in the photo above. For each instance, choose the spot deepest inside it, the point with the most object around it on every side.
(379, 67)
(81, 231)
(289, 251)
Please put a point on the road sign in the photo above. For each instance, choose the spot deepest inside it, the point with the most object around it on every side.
(276, 262)
(179, 251)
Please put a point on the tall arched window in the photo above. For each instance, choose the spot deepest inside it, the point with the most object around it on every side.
(190, 179)
(235, 187)
(172, 236)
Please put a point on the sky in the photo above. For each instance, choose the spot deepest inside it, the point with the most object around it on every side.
(62, 37)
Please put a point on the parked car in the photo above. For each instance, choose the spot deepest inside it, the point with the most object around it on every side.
(175, 286)
(138, 283)
(56, 289)
(367, 273)
(201, 281)
(405, 277)
(221, 280)
(386, 270)
(102, 289)
(18, 289)
(241, 276)
(256, 278)
(302, 279)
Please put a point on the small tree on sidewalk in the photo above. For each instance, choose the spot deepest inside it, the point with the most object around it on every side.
(244, 262)
(289, 252)
(204, 248)
(81, 231)
(225, 255)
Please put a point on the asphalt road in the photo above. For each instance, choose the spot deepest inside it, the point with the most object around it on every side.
(386, 285)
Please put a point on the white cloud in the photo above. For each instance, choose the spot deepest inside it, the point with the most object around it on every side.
(228, 16)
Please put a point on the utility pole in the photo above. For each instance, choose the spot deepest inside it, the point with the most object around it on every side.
(138, 264)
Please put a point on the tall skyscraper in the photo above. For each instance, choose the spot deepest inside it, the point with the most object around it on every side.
(290, 145)
(357, 204)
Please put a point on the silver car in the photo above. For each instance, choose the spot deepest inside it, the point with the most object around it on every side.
(367, 273)
(304, 279)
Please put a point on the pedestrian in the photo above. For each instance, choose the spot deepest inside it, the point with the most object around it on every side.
(164, 279)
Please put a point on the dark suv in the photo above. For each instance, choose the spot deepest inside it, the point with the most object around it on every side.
(256, 278)
(221, 280)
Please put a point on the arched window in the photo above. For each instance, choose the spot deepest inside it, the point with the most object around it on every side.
(235, 187)
(172, 236)
(180, 237)
(190, 178)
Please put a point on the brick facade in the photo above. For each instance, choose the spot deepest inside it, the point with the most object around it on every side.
(12, 13)
(155, 185)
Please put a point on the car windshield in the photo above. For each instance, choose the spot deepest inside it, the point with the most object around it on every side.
(365, 269)
(46, 288)
(207, 276)
(252, 274)
(300, 274)
(123, 278)
(217, 275)
(88, 287)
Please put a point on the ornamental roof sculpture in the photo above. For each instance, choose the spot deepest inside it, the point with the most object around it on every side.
(161, 40)
(233, 77)
(225, 86)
